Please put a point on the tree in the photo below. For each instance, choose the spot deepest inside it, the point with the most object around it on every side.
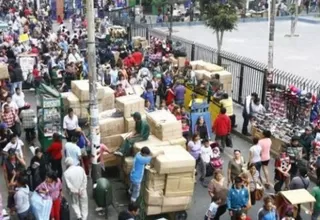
(220, 17)
(294, 10)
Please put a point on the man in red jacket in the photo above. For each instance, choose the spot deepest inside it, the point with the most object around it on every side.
(222, 127)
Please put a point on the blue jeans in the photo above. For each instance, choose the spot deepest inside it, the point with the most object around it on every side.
(315, 214)
(179, 101)
(16, 85)
(135, 191)
(23, 215)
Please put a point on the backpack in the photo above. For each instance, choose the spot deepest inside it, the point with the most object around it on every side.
(149, 85)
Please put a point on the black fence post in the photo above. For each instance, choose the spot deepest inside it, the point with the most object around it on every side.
(219, 60)
(240, 84)
(193, 50)
(129, 32)
(264, 87)
(147, 33)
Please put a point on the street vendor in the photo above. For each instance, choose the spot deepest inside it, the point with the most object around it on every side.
(142, 132)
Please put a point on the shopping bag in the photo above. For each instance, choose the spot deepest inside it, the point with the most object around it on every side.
(229, 140)
(41, 207)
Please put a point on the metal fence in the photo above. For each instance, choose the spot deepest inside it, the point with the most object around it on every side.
(247, 75)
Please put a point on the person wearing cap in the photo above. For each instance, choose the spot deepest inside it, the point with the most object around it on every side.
(141, 133)
(306, 140)
(75, 185)
(237, 199)
(295, 152)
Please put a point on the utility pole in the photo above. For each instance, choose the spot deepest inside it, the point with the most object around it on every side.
(272, 14)
(269, 74)
(94, 111)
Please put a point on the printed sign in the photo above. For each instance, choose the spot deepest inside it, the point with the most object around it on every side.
(27, 64)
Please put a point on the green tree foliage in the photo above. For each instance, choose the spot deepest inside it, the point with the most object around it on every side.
(220, 17)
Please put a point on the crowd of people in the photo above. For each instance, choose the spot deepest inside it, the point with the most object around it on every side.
(62, 54)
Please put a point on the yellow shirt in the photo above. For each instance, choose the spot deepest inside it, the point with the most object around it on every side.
(197, 100)
(228, 104)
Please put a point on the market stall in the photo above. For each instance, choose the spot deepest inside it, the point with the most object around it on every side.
(49, 114)
(289, 113)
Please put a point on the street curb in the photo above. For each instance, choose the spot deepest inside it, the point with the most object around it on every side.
(274, 154)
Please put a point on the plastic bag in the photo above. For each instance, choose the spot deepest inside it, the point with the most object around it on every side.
(41, 207)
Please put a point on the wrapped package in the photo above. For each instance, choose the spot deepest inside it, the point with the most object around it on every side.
(180, 184)
(169, 162)
(73, 101)
(154, 181)
(4, 72)
(202, 74)
(113, 142)
(111, 126)
(81, 89)
(130, 104)
(164, 125)
(181, 61)
(64, 97)
(175, 204)
(212, 67)
(110, 160)
(198, 64)
(152, 197)
(108, 99)
(179, 141)
(127, 165)
(153, 210)
(151, 142)
(84, 106)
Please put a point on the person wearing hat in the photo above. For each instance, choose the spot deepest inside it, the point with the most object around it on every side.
(306, 140)
(295, 152)
(141, 133)
(237, 199)
(75, 182)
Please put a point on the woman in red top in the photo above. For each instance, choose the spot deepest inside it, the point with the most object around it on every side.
(177, 112)
(169, 96)
(55, 151)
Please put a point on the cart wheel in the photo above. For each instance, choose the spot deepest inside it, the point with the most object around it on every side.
(181, 215)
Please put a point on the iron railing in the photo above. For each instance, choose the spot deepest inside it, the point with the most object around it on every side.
(247, 75)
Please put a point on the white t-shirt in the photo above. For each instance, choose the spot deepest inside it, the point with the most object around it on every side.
(19, 99)
(17, 146)
(212, 209)
(256, 152)
(72, 150)
(70, 123)
(12, 105)
(206, 154)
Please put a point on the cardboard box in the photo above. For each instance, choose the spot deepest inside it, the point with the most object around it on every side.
(213, 67)
(108, 99)
(111, 126)
(81, 89)
(112, 142)
(200, 74)
(84, 109)
(154, 181)
(164, 125)
(153, 210)
(173, 60)
(138, 90)
(110, 160)
(174, 204)
(64, 96)
(181, 61)
(152, 197)
(129, 123)
(127, 165)
(151, 142)
(130, 104)
(181, 184)
(198, 64)
(169, 162)
(73, 101)
(4, 72)
(107, 113)
(180, 141)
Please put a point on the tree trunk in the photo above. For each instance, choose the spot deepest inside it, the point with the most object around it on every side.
(219, 35)
(294, 20)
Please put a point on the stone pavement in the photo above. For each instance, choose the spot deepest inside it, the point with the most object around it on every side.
(200, 199)
(296, 55)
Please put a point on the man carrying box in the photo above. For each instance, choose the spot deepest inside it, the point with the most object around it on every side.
(142, 132)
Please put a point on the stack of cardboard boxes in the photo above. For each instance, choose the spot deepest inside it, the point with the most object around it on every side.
(114, 130)
(205, 70)
(78, 98)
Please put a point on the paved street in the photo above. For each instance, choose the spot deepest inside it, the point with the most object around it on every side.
(201, 198)
(295, 55)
